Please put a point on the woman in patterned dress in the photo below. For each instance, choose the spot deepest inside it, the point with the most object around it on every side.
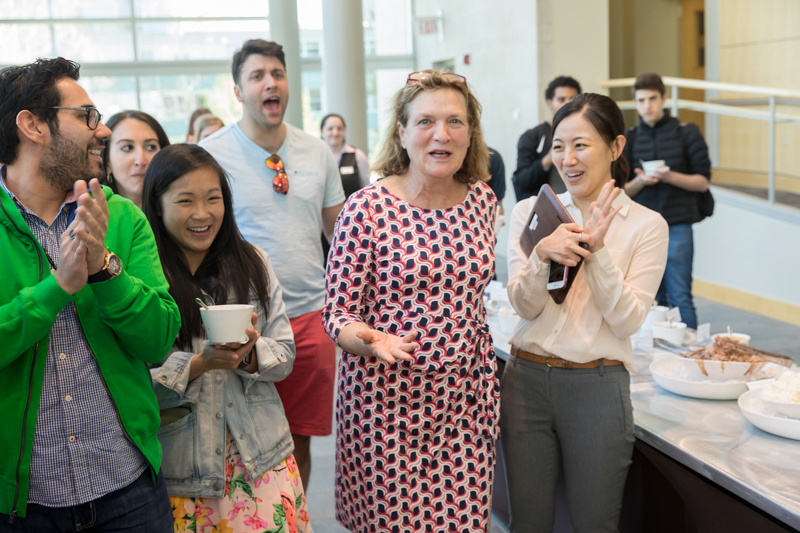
(228, 459)
(417, 399)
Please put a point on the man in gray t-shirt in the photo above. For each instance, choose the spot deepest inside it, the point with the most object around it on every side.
(286, 191)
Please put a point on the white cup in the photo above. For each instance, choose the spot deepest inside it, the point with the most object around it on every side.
(650, 167)
(673, 333)
(657, 314)
(227, 323)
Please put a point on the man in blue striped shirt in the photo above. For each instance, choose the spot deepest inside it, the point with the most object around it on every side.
(90, 466)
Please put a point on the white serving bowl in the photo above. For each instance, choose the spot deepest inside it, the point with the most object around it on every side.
(673, 333)
(741, 338)
(669, 373)
(755, 410)
(226, 323)
(779, 408)
(722, 370)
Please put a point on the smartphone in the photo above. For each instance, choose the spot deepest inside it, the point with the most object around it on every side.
(558, 277)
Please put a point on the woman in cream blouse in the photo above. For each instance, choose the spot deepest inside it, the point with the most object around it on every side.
(566, 389)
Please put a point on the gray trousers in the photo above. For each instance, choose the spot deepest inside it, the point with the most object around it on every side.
(582, 418)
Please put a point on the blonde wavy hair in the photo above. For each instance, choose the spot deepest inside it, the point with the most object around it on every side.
(393, 159)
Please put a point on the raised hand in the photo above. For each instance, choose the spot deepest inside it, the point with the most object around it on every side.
(601, 213)
(387, 347)
(563, 246)
(92, 218)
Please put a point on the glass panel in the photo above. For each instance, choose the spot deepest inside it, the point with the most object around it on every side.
(172, 99)
(310, 43)
(309, 14)
(94, 9)
(167, 41)
(111, 94)
(23, 43)
(387, 27)
(201, 8)
(31, 9)
(382, 85)
(94, 42)
(59, 9)
(312, 101)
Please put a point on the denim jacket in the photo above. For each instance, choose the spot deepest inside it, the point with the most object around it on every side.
(248, 404)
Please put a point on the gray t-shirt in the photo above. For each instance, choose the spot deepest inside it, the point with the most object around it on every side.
(287, 226)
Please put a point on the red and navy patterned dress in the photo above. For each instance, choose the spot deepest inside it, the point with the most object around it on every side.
(415, 440)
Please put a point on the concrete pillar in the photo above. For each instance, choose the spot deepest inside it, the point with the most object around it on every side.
(285, 30)
(343, 67)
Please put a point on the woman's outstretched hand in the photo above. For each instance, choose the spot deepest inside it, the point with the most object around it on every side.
(600, 216)
(388, 347)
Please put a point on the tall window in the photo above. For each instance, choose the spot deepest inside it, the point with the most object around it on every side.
(169, 57)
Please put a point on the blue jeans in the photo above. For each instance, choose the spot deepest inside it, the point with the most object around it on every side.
(141, 507)
(676, 286)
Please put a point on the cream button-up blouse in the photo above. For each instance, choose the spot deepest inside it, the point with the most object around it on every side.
(610, 297)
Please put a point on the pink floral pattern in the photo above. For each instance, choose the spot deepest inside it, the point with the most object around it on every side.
(273, 503)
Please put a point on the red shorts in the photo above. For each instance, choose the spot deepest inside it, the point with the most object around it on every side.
(307, 393)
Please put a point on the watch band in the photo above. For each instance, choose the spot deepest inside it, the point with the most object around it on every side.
(107, 272)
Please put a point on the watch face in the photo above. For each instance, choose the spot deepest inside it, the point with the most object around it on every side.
(114, 265)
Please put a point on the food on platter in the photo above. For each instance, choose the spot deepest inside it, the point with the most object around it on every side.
(785, 389)
(723, 350)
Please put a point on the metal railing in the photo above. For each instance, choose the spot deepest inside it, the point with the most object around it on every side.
(729, 108)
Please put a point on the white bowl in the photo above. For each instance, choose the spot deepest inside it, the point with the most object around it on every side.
(741, 338)
(669, 373)
(227, 323)
(756, 412)
(785, 409)
(674, 334)
(722, 370)
(650, 167)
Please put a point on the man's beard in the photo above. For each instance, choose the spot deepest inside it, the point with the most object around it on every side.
(65, 163)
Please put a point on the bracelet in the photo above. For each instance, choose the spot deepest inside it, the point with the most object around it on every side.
(247, 359)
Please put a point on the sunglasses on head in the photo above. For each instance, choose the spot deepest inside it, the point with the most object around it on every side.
(280, 183)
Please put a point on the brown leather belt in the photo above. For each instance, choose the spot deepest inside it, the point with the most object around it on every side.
(556, 362)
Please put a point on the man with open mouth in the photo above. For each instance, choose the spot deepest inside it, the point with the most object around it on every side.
(286, 192)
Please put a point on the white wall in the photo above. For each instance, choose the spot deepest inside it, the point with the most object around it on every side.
(500, 39)
(749, 246)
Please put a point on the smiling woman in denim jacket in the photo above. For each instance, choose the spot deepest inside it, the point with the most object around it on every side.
(228, 457)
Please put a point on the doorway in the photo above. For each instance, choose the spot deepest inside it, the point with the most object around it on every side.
(693, 56)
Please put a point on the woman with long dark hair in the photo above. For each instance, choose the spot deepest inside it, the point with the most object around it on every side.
(135, 138)
(566, 389)
(227, 447)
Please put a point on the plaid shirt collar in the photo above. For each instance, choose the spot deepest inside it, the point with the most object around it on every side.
(68, 199)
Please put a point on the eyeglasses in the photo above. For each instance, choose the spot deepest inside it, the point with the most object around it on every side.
(424, 74)
(280, 183)
(93, 116)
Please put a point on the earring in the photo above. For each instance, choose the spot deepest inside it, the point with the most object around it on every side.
(109, 178)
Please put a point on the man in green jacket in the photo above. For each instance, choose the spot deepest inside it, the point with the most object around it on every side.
(84, 306)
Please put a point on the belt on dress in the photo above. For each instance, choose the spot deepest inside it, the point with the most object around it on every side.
(556, 362)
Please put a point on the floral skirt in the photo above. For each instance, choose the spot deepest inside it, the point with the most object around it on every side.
(273, 503)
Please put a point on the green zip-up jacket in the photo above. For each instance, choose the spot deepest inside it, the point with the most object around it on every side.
(128, 321)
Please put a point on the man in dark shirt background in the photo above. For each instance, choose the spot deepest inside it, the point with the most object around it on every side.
(534, 164)
(497, 171)
(676, 191)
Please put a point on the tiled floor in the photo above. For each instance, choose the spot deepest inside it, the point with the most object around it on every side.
(766, 333)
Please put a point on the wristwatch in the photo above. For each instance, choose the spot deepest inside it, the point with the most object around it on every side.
(112, 267)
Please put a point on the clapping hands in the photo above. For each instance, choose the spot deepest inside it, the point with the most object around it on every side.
(83, 249)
